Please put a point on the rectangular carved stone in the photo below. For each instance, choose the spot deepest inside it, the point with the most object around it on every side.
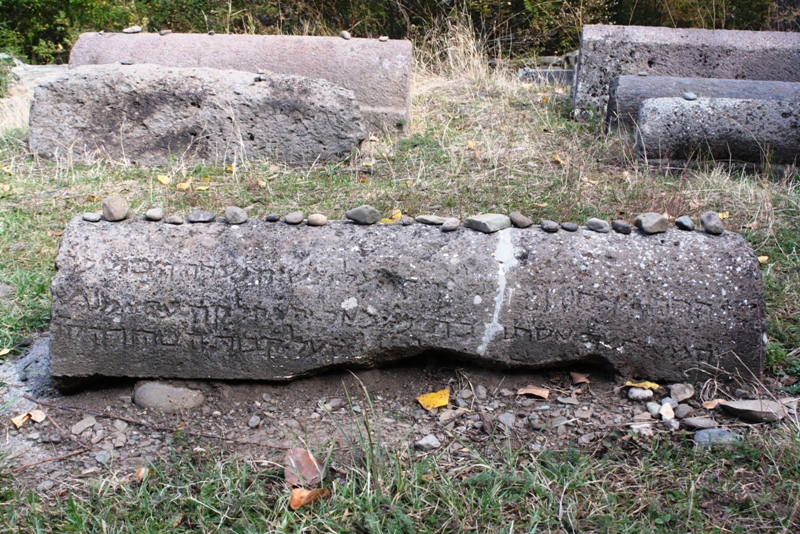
(271, 301)
(152, 115)
(378, 72)
(627, 93)
(725, 129)
(609, 51)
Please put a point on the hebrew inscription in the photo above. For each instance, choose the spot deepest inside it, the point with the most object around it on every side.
(272, 301)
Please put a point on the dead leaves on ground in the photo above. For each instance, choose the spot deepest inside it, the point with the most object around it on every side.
(302, 497)
(37, 416)
(300, 468)
(437, 399)
(534, 390)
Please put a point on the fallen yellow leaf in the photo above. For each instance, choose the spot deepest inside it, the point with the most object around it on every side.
(642, 385)
(164, 179)
(386, 221)
(724, 214)
(763, 259)
(37, 416)
(4, 352)
(205, 179)
(557, 160)
(302, 497)
(409, 183)
(262, 183)
(202, 188)
(184, 186)
(230, 168)
(540, 204)
(545, 99)
(92, 198)
(20, 420)
(534, 390)
(367, 164)
(6, 169)
(471, 145)
(397, 215)
(437, 399)
(5, 187)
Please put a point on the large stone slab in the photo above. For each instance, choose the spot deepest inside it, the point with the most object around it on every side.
(609, 51)
(724, 129)
(626, 93)
(275, 301)
(151, 115)
(378, 72)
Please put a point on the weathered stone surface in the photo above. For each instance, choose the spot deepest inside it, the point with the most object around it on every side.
(151, 115)
(174, 219)
(621, 227)
(681, 392)
(150, 300)
(166, 398)
(724, 129)
(758, 411)
(609, 51)
(548, 226)
(570, 226)
(378, 73)
(201, 216)
(626, 93)
(652, 222)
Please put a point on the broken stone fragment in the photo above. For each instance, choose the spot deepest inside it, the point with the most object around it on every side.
(756, 411)
(488, 222)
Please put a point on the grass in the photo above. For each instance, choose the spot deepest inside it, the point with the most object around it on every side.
(478, 141)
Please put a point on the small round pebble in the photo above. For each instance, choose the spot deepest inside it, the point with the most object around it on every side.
(548, 226)
(519, 220)
(154, 214)
(272, 217)
(132, 29)
(115, 208)
(92, 217)
(712, 223)
(639, 394)
(164, 32)
(405, 220)
(317, 219)
(235, 215)
(598, 225)
(451, 224)
(621, 227)
(174, 219)
(688, 95)
(570, 226)
(346, 35)
(295, 217)
(201, 216)
(685, 223)
(383, 38)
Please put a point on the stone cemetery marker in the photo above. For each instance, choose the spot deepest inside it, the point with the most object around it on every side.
(271, 301)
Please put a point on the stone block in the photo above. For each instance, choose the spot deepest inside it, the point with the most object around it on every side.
(610, 51)
(626, 93)
(151, 115)
(266, 301)
(724, 129)
(378, 72)
(546, 76)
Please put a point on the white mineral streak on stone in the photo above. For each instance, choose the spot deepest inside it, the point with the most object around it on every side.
(350, 303)
(504, 254)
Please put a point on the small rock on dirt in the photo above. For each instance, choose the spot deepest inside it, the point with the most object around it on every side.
(681, 392)
(640, 394)
(428, 443)
(480, 392)
(652, 223)
(653, 408)
(154, 214)
(507, 419)
(115, 208)
(430, 219)
(683, 411)
(756, 411)
(87, 422)
(570, 226)
(295, 217)
(317, 219)
(254, 421)
(684, 223)
(699, 423)
(548, 226)
(166, 398)
(711, 437)
(666, 412)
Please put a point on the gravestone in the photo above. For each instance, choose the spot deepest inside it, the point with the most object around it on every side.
(610, 51)
(377, 72)
(724, 129)
(152, 115)
(272, 301)
(626, 93)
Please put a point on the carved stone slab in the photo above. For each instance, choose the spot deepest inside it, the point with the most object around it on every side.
(272, 301)
(378, 72)
(152, 115)
(609, 51)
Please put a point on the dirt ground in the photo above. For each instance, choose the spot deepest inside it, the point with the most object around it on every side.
(322, 413)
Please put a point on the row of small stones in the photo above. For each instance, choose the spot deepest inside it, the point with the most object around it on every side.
(116, 209)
